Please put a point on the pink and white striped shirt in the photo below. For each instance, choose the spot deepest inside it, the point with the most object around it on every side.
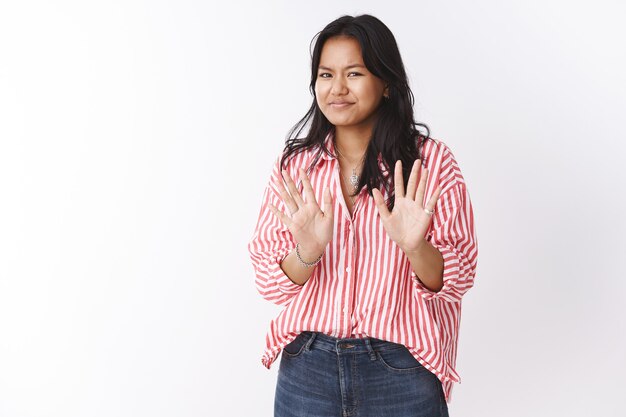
(364, 285)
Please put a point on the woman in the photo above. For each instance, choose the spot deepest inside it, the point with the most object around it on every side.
(369, 245)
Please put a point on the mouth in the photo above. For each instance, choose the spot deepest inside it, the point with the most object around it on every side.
(340, 104)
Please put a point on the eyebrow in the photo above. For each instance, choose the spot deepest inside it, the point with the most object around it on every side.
(321, 67)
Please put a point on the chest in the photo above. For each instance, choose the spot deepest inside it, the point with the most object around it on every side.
(345, 178)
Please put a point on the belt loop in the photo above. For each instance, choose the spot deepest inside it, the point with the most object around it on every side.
(310, 341)
(370, 349)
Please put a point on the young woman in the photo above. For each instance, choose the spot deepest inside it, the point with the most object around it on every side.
(366, 237)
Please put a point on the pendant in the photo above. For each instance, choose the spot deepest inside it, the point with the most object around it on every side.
(354, 179)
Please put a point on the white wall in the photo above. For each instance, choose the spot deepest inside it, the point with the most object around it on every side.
(135, 141)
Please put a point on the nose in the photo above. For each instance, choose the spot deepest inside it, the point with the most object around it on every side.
(338, 86)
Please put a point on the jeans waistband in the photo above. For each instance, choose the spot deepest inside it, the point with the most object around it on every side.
(318, 340)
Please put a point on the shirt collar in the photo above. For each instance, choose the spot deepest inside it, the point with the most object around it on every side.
(330, 146)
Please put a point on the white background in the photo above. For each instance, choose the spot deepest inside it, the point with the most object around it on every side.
(135, 141)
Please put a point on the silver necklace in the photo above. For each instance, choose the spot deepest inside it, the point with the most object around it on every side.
(354, 178)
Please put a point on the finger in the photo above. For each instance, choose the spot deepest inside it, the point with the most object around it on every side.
(380, 204)
(295, 194)
(419, 196)
(291, 205)
(398, 179)
(432, 202)
(281, 216)
(309, 194)
(412, 184)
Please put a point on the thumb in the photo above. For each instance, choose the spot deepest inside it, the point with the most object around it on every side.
(383, 211)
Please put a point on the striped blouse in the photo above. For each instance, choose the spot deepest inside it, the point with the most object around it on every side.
(364, 285)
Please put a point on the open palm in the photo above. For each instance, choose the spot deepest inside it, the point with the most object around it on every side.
(311, 227)
(407, 223)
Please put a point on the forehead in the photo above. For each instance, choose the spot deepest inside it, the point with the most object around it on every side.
(341, 51)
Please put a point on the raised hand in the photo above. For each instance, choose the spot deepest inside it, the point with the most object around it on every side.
(311, 227)
(407, 223)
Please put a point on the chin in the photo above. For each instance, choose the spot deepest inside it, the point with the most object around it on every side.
(339, 122)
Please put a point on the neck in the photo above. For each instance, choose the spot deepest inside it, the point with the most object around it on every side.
(352, 143)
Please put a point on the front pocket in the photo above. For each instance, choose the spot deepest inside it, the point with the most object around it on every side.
(399, 360)
(296, 346)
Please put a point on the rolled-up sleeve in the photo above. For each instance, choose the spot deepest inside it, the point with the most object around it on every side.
(453, 233)
(270, 244)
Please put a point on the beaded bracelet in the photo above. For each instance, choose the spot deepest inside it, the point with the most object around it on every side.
(307, 264)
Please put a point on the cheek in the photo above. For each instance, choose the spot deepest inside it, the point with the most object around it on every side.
(372, 95)
(320, 89)
(318, 99)
(321, 93)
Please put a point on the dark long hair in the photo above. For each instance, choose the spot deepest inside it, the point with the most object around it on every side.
(395, 134)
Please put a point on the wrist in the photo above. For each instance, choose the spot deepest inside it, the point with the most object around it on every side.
(415, 249)
(308, 256)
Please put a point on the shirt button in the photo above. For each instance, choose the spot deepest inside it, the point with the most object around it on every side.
(348, 269)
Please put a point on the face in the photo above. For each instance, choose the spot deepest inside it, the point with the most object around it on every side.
(347, 93)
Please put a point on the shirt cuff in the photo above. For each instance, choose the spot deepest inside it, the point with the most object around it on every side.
(450, 274)
(285, 284)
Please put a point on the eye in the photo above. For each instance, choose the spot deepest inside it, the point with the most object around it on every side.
(355, 73)
(322, 75)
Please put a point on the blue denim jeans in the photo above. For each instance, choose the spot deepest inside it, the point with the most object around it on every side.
(323, 376)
